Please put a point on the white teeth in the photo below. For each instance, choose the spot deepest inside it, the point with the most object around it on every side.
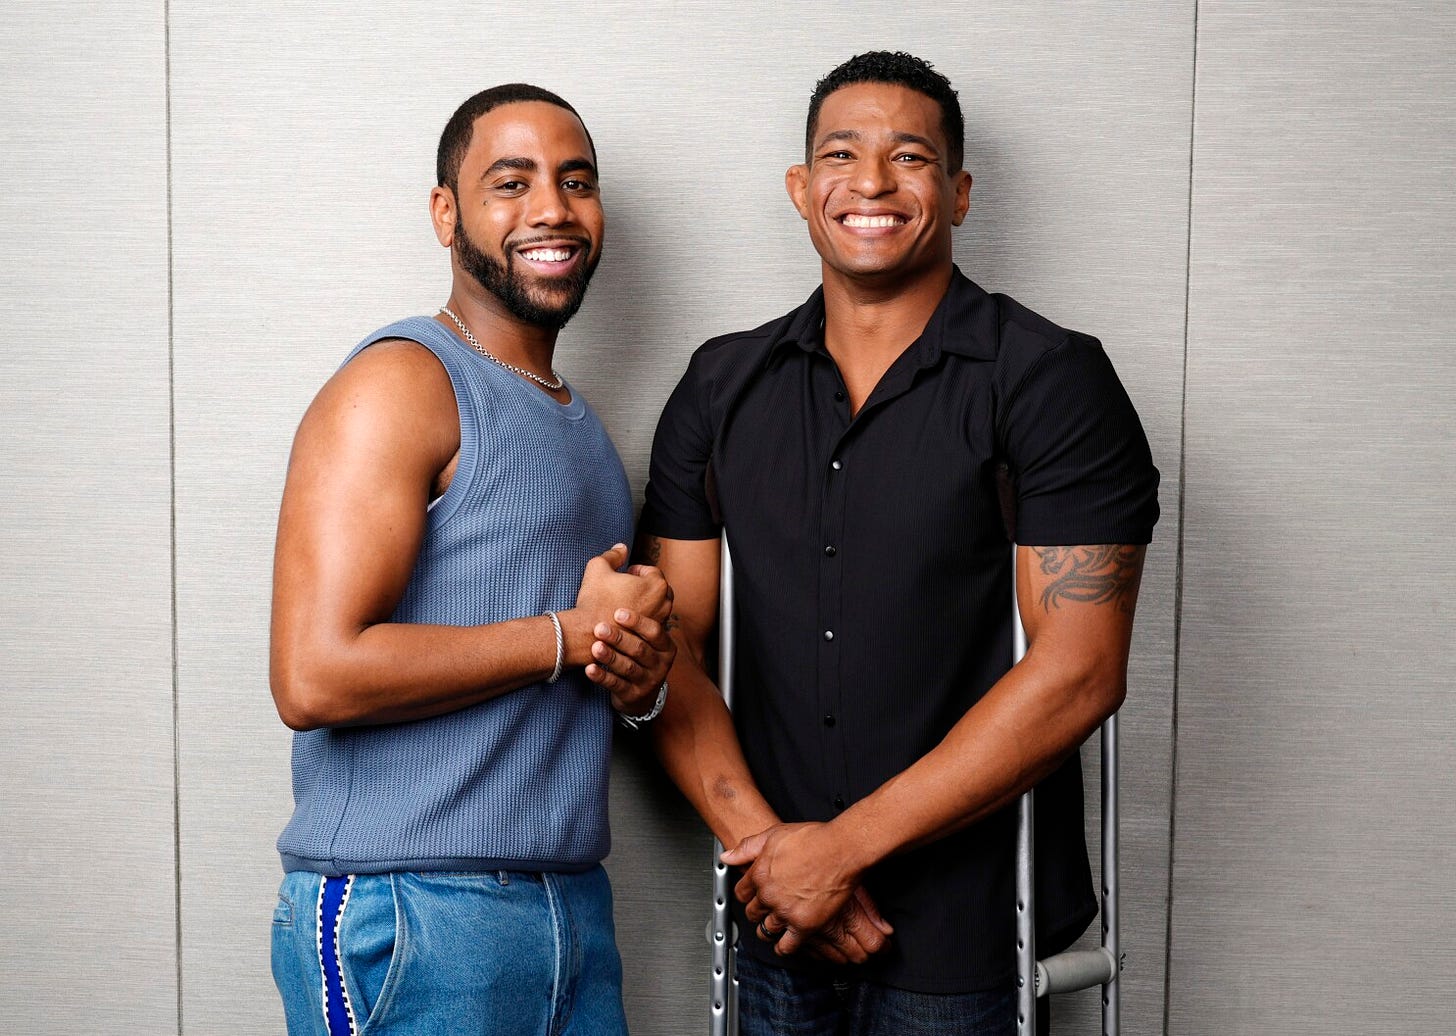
(854, 219)
(547, 255)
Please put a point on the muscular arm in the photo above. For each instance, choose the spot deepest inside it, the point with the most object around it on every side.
(694, 736)
(1077, 606)
(379, 440)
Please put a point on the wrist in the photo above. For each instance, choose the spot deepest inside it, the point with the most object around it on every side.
(659, 702)
(853, 840)
(577, 635)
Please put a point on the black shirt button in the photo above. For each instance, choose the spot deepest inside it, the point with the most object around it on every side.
(839, 397)
(836, 464)
(829, 719)
(829, 552)
(839, 802)
(828, 634)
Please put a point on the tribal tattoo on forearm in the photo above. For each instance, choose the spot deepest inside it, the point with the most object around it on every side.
(1104, 574)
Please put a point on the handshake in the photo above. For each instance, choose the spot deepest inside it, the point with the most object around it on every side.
(619, 631)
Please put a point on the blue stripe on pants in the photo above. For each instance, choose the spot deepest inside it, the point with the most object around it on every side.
(332, 897)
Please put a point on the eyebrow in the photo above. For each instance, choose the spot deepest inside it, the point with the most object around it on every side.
(528, 165)
(899, 138)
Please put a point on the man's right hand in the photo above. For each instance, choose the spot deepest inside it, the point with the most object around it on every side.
(852, 935)
(605, 591)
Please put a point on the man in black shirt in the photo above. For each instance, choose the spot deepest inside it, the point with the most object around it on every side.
(858, 452)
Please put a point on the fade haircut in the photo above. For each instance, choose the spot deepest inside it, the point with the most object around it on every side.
(455, 141)
(898, 69)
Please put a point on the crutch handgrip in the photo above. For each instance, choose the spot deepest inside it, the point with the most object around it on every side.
(1075, 969)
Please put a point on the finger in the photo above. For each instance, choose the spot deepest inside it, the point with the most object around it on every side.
(835, 937)
(614, 555)
(629, 644)
(644, 570)
(649, 629)
(619, 663)
(825, 950)
(745, 852)
(755, 909)
(867, 904)
(744, 891)
(607, 680)
(856, 933)
(789, 942)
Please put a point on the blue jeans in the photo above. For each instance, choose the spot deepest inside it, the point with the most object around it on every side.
(778, 1002)
(500, 953)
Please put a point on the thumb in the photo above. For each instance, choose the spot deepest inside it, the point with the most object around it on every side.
(745, 851)
(614, 556)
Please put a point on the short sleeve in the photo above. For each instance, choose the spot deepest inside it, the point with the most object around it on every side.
(677, 505)
(1079, 460)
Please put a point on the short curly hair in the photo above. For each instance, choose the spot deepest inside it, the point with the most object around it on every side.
(900, 69)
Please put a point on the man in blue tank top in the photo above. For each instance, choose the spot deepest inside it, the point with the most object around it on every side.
(451, 633)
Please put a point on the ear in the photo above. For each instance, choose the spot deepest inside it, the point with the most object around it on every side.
(796, 182)
(962, 181)
(442, 215)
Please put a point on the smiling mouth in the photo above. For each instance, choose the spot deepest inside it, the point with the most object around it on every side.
(859, 221)
(550, 258)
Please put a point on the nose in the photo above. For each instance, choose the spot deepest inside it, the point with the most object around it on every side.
(549, 207)
(872, 177)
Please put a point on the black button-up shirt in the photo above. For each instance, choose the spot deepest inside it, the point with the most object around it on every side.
(873, 580)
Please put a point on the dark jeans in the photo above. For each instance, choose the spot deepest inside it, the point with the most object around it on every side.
(778, 1002)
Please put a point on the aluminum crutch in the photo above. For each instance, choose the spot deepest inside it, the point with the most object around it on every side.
(1074, 969)
(724, 1018)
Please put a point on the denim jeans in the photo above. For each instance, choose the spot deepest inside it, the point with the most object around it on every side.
(499, 953)
(778, 1002)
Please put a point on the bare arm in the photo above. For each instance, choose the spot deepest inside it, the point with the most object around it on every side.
(1077, 606)
(694, 736)
(698, 746)
(379, 440)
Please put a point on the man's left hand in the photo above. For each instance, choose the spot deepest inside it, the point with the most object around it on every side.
(632, 657)
(796, 881)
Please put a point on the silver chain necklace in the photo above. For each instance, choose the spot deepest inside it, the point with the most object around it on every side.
(560, 381)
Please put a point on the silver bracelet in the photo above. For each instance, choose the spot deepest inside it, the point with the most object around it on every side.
(560, 648)
(636, 722)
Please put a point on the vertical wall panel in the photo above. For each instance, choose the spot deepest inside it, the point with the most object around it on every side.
(304, 141)
(1312, 879)
(86, 803)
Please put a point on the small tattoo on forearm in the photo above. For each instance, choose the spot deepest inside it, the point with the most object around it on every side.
(1104, 574)
(652, 550)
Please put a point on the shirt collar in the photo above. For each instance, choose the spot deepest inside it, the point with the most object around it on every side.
(964, 323)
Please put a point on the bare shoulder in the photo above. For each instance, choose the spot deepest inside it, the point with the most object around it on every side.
(393, 401)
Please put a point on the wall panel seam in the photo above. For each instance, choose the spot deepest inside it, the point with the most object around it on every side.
(1178, 560)
(172, 493)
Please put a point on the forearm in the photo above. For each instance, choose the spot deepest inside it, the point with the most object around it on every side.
(698, 746)
(392, 672)
(1013, 738)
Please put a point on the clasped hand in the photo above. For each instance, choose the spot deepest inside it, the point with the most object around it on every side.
(630, 648)
(799, 893)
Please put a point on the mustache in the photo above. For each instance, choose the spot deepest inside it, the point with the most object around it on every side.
(584, 242)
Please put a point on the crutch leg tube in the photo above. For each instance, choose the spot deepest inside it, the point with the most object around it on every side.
(723, 1021)
(1074, 969)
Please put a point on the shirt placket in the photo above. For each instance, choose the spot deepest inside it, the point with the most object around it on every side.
(833, 508)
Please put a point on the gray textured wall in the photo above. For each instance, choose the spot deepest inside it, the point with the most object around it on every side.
(202, 205)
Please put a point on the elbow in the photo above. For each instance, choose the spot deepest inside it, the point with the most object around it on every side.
(301, 696)
(1104, 689)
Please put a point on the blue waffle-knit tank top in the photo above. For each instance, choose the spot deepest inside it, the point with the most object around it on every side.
(520, 781)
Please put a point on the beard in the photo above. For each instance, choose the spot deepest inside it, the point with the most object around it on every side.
(507, 283)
